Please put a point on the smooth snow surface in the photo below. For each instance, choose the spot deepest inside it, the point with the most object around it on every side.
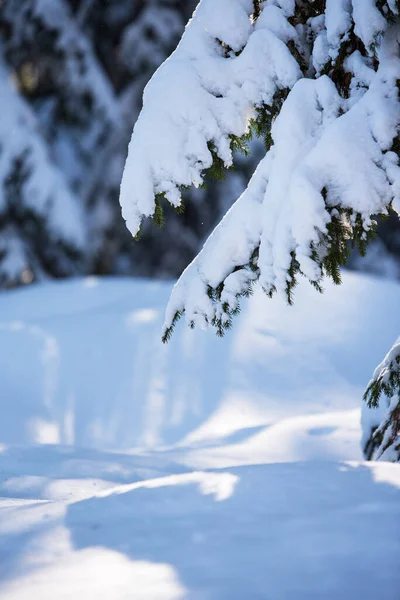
(205, 469)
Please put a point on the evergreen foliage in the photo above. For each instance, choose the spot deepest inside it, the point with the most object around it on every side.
(383, 441)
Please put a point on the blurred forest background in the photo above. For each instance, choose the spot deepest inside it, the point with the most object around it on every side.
(72, 74)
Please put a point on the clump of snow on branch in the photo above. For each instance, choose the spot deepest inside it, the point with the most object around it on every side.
(204, 93)
(323, 160)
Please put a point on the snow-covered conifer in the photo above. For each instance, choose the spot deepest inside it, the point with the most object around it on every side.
(41, 223)
(61, 84)
(320, 82)
(382, 430)
(63, 79)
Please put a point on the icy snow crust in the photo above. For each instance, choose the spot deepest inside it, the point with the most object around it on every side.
(327, 151)
(205, 469)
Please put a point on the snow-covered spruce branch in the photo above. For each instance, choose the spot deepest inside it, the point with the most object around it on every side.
(202, 99)
(383, 441)
(320, 81)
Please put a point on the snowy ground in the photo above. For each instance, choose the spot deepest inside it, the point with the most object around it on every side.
(205, 469)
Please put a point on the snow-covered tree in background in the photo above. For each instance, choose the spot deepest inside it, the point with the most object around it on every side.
(319, 80)
(45, 45)
(41, 225)
(58, 109)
